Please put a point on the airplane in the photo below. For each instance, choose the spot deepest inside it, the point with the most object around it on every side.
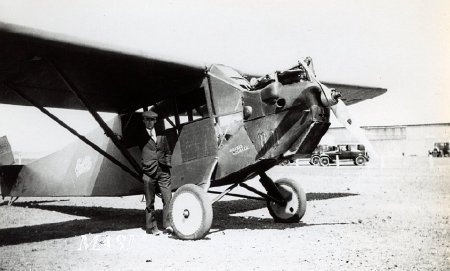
(224, 127)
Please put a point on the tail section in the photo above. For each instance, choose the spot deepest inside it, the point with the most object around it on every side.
(76, 170)
(6, 155)
(8, 173)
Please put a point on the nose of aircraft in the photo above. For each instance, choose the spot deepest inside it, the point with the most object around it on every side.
(329, 96)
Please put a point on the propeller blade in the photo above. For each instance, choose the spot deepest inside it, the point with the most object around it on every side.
(342, 114)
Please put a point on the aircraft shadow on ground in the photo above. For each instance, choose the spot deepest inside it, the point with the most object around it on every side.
(101, 219)
(225, 214)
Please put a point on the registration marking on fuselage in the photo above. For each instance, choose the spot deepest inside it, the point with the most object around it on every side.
(238, 149)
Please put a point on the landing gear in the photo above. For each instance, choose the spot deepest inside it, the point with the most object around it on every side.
(191, 212)
(294, 208)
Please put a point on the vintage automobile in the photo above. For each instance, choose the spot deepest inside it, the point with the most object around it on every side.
(330, 154)
(441, 149)
(315, 156)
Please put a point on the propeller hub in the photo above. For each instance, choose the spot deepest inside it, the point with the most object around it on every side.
(335, 94)
(329, 97)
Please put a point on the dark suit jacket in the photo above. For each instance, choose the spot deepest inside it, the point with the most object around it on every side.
(155, 154)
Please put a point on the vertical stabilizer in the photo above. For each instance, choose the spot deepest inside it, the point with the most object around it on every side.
(6, 155)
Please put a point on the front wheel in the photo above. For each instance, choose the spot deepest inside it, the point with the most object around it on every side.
(295, 207)
(190, 212)
(360, 160)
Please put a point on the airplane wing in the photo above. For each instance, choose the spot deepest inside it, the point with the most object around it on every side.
(352, 94)
(112, 79)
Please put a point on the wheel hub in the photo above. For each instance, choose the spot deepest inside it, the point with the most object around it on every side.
(288, 209)
(186, 213)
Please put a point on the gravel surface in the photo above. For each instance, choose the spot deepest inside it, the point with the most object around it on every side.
(393, 215)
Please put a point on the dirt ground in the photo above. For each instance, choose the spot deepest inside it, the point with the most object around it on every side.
(393, 215)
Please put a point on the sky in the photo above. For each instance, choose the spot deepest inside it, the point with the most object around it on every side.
(399, 45)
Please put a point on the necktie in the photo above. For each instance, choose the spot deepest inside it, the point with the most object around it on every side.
(152, 135)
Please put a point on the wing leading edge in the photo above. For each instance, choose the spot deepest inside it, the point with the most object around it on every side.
(112, 80)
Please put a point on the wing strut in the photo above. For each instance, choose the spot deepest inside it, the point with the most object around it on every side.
(74, 132)
(109, 133)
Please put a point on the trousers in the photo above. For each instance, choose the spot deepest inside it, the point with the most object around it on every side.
(162, 179)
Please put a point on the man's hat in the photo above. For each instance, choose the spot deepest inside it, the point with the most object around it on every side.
(149, 114)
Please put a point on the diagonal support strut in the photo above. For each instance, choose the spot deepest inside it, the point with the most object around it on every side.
(74, 132)
(109, 133)
(224, 193)
(266, 196)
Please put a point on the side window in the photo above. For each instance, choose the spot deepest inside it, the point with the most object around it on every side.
(182, 109)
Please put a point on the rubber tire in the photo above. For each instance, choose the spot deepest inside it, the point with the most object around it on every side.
(288, 188)
(324, 161)
(360, 161)
(284, 163)
(193, 199)
(315, 160)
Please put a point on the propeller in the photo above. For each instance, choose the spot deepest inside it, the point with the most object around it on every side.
(331, 98)
(342, 114)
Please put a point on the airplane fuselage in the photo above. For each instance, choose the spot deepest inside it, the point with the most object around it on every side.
(251, 129)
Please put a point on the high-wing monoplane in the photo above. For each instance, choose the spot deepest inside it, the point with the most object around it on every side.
(224, 127)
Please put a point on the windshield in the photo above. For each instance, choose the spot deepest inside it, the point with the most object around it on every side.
(235, 76)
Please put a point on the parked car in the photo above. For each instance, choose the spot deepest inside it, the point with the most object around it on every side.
(294, 160)
(441, 149)
(355, 152)
(315, 156)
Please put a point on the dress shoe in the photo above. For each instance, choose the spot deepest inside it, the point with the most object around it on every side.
(168, 230)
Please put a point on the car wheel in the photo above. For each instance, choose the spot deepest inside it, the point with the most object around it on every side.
(315, 160)
(324, 161)
(295, 207)
(360, 160)
(191, 212)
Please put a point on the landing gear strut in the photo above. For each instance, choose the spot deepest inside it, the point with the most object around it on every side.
(191, 210)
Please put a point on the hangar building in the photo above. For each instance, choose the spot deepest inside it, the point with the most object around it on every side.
(398, 140)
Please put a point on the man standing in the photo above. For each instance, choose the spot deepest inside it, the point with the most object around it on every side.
(156, 163)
